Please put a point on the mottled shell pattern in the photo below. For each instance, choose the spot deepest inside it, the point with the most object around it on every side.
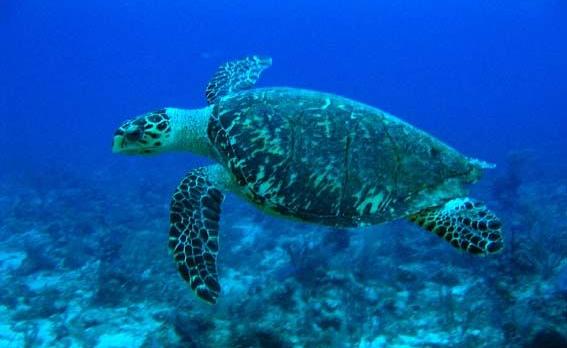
(331, 160)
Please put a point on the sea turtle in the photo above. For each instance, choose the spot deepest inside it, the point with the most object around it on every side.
(307, 155)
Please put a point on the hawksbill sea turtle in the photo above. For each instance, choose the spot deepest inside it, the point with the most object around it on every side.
(306, 155)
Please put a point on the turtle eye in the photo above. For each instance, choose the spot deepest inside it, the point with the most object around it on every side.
(134, 134)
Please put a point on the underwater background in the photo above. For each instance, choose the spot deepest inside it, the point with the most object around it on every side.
(83, 232)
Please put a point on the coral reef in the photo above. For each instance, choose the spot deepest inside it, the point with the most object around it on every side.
(85, 263)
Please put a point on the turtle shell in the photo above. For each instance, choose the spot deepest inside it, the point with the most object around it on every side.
(331, 160)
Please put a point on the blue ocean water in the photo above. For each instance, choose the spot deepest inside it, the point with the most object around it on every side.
(83, 250)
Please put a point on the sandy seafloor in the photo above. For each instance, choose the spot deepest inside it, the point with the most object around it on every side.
(84, 263)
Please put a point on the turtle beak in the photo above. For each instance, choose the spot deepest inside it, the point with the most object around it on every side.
(118, 141)
(130, 139)
(126, 135)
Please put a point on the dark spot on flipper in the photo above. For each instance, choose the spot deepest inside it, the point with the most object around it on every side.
(172, 244)
(196, 243)
(174, 218)
(209, 203)
(212, 284)
(494, 247)
(473, 249)
(475, 240)
(206, 295)
(211, 215)
(184, 272)
(216, 195)
(196, 282)
(429, 225)
(209, 258)
(494, 237)
(174, 232)
(213, 246)
(178, 248)
(494, 224)
(203, 234)
(191, 263)
(211, 225)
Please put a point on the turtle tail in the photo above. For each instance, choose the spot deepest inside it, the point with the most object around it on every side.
(481, 164)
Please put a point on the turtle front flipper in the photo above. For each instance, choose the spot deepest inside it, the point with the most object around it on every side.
(465, 223)
(235, 76)
(194, 231)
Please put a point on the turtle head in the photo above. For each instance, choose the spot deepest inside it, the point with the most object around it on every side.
(167, 129)
(146, 134)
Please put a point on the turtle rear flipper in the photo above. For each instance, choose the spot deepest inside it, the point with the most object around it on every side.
(194, 232)
(465, 223)
(235, 76)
